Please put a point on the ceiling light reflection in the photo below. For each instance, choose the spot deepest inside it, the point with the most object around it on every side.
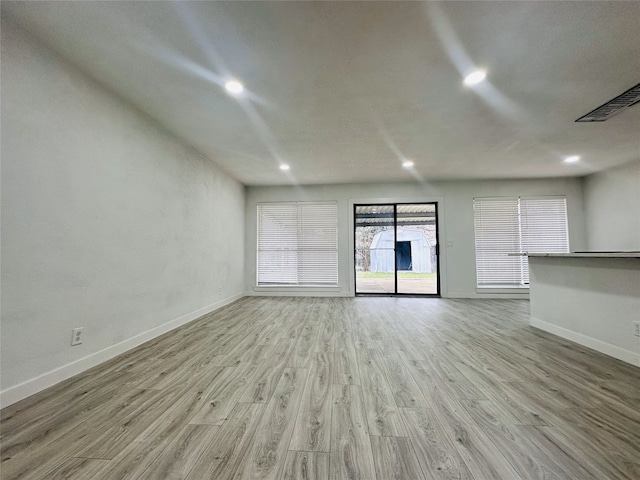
(234, 87)
(475, 77)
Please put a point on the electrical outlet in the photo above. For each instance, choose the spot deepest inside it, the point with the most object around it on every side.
(636, 329)
(77, 336)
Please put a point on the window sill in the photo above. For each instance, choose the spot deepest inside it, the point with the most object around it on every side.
(511, 289)
(302, 288)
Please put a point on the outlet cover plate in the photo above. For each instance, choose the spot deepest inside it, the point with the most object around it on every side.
(77, 335)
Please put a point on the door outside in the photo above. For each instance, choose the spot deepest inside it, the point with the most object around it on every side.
(396, 249)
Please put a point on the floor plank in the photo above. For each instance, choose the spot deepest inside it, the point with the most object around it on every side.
(306, 466)
(178, 454)
(436, 453)
(530, 462)
(395, 459)
(265, 459)
(222, 395)
(224, 454)
(351, 455)
(346, 371)
(381, 409)
(77, 469)
(313, 425)
(263, 383)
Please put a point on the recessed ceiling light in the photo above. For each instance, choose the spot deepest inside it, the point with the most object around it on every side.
(234, 87)
(284, 167)
(475, 77)
(407, 164)
(572, 159)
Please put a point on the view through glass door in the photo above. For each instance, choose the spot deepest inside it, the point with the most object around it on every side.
(396, 249)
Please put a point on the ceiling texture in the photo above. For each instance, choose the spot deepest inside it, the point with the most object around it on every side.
(348, 91)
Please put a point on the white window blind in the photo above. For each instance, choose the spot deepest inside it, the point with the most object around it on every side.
(506, 225)
(297, 244)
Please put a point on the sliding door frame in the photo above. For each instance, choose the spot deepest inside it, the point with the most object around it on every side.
(395, 253)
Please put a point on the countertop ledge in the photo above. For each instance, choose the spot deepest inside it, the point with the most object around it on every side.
(581, 255)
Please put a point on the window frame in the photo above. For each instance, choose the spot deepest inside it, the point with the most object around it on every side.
(515, 262)
(304, 254)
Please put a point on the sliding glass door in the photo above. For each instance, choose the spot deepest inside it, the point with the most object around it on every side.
(396, 249)
(375, 248)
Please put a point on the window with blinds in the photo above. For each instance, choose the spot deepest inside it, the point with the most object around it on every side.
(506, 225)
(297, 244)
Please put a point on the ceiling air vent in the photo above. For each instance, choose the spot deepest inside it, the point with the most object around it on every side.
(613, 107)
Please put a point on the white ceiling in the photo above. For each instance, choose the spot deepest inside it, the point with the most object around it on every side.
(344, 91)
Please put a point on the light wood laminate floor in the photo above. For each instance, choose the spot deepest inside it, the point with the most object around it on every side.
(319, 388)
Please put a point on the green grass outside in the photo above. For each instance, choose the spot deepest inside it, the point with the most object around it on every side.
(390, 275)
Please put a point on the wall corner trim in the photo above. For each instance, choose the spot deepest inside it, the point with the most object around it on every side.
(25, 389)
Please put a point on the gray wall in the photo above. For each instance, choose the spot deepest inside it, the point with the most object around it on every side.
(107, 222)
(458, 277)
(612, 203)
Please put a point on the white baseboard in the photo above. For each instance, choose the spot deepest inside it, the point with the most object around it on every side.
(293, 292)
(598, 345)
(522, 296)
(23, 390)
